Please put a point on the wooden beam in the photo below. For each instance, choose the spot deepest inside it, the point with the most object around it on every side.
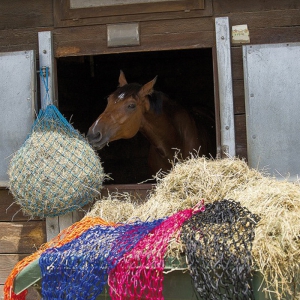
(7, 263)
(225, 86)
(21, 237)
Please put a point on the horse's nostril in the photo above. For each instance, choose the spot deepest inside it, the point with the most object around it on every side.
(94, 138)
(98, 136)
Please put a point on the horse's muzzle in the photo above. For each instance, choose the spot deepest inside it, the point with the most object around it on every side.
(96, 140)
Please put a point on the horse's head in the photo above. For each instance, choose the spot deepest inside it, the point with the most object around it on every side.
(123, 115)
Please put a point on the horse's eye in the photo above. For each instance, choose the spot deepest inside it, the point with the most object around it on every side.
(131, 105)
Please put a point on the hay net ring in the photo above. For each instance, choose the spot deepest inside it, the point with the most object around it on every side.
(218, 245)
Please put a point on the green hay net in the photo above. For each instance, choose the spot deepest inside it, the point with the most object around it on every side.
(55, 171)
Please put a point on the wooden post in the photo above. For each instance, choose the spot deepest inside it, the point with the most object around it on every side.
(53, 224)
(225, 86)
(46, 60)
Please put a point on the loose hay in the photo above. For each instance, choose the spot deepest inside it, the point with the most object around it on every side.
(116, 207)
(276, 251)
(53, 173)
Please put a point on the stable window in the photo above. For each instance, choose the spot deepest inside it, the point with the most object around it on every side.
(84, 83)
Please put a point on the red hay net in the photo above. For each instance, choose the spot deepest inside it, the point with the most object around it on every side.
(139, 275)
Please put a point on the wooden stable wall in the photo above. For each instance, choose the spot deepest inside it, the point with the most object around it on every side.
(18, 236)
(269, 21)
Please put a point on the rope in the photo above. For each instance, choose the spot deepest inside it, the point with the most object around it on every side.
(45, 80)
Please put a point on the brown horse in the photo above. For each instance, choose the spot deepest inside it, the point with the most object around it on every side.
(167, 125)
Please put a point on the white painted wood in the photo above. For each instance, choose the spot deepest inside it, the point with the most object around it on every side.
(46, 59)
(65, 221)
(54, 225)
(76, 216)
(225, 85)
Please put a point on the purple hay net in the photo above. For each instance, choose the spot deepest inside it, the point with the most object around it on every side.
(139, 275)
(79, 269)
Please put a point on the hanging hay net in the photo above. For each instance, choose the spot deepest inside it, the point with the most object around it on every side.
(218, 246)
(275, 250)
(55, 171)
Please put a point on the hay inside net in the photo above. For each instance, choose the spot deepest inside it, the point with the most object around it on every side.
(277, 236)
(55, 171)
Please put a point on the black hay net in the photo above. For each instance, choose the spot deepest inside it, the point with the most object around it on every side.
(218, 245)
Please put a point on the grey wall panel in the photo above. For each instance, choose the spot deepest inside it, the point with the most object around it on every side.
(18, 100)
(272, 94)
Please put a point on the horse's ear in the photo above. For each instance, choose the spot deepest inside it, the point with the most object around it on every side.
(122, 79)
(147, 89)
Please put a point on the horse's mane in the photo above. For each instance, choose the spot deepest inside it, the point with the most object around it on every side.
(156, 98)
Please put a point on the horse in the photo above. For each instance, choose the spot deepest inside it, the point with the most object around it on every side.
(168, 126)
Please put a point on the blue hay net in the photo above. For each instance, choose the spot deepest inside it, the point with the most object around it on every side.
(80, 268)
(50, 119)
(55, 171)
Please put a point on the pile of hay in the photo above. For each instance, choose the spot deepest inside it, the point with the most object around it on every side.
(276, 248)
(53, 173)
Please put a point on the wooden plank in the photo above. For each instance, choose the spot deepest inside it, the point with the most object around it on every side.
(7, 263)
(225, 86)
(19, 39)
(275, 35)
(21, 237)
(177, 26)
(98, 32)
(97, 44)
(32, 293)
(64, 19)
(16, 14)
(237, 63)
(130, 9)
(266, 19)
(78, 215)
(239, 96)
(240, 136)
(52, 227)
(46, 59)
(65, 221)
(237, 6)
(10, 211)
(140, 191)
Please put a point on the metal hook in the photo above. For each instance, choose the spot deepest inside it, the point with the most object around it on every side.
(44, 71)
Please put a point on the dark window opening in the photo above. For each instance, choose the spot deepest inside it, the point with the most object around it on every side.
(84, 83)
